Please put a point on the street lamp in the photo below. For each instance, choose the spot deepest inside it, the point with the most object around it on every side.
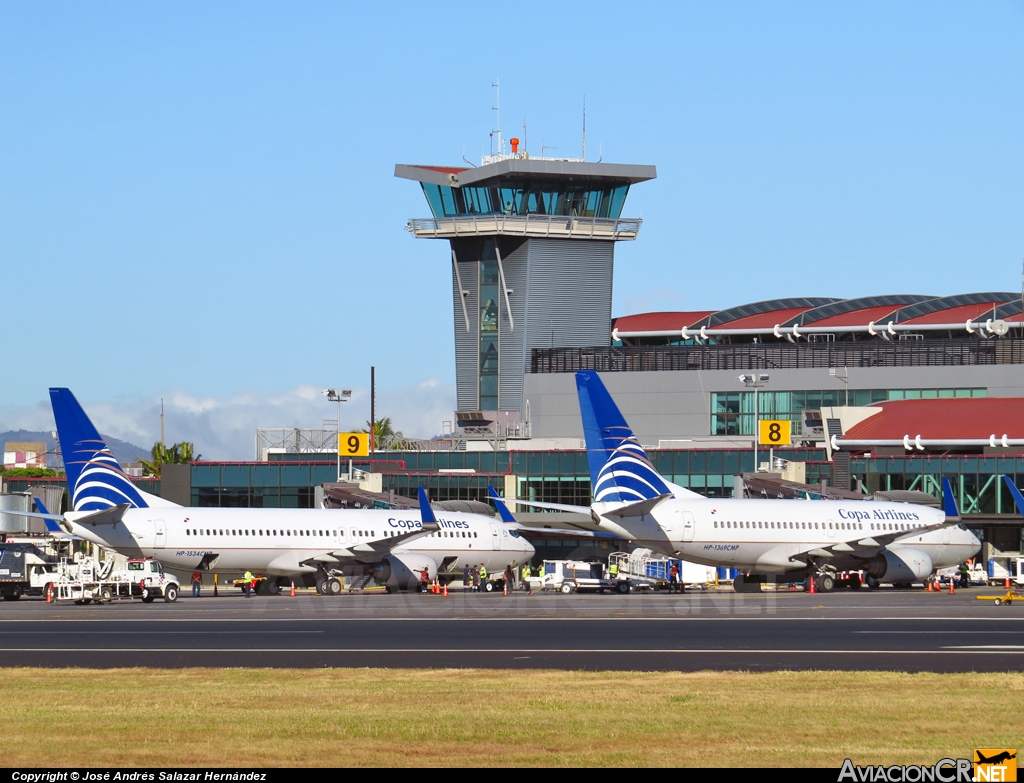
(333, 395)
(755, 382)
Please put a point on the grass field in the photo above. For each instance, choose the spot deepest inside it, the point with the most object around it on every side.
(343, 717)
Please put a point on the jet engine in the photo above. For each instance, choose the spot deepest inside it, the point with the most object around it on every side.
(905, 564)
(403, 570)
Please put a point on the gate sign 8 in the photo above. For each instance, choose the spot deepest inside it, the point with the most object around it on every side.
(354, 444)
(774, 433)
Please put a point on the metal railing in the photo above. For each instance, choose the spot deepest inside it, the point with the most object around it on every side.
(874, 353)
(558, 226)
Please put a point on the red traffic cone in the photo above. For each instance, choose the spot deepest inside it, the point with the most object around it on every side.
(49, 593)
(445, 593)
(810, 583)
(292, 593)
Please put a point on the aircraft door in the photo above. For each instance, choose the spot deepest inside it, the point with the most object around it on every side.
(688, 525)
(945, 535)
(830, 528)
(160, 534)
(495, 537)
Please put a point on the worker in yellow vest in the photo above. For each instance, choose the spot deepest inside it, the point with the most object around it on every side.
(483, 577)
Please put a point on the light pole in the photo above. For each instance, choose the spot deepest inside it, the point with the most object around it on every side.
(755, 382)
(333, 395)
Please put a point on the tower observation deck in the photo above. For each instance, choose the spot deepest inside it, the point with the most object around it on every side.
(532, 252)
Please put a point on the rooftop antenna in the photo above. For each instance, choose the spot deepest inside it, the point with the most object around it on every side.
(584, 157)
(524, 135)
(544, 147)
(496, 108)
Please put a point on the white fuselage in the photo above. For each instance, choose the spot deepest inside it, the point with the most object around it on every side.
(774, 536)
(285, 541)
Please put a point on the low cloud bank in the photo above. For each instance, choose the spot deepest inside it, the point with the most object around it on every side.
(224, 428)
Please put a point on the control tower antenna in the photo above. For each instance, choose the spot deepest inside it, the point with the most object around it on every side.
(496, 108)
(583, 157)
(525, 148)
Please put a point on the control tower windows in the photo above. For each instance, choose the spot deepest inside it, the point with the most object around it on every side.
(528, 197)
(489, 329)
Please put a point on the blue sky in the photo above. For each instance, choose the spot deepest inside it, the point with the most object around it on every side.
(197, 200)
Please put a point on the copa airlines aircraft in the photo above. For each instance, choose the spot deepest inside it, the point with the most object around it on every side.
(395, 546)
(893, 542)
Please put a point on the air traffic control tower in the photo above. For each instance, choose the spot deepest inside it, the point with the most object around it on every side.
(532, 251)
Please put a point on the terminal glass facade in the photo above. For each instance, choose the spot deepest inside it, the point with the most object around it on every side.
(578, 198)
(732, 413)
(489, 338)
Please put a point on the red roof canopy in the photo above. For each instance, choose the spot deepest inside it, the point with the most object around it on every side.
(658, 322)
(763, 320)
(973, 417)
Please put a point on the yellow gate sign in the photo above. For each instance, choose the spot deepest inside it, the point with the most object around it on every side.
(774, 433)
(354, 444)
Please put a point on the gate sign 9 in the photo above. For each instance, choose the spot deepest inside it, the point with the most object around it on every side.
(354, 444)
(774, 433)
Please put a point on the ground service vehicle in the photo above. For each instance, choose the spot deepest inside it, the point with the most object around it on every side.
(88, 580)
(570, 576)
(16, 562)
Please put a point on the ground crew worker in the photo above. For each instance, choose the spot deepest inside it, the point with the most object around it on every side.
(613, 570)
(673, 579)
(197, 583)
(526, 578)
(483, 576)
(424, 580)
(965, 575)
(248, 584)
(467, 580)
(510, 579)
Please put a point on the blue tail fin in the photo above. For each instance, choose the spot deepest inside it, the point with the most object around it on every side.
(426, 512)
(949, 500)
(503, 512)
(619, 468)
(51, 525)
(95, 480)
(1018, 499)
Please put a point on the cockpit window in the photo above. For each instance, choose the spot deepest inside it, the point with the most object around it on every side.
(513, 533)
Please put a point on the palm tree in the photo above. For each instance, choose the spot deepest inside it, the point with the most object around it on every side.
(178, 454)
(385, 436)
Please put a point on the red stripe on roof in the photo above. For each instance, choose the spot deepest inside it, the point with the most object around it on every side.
(658, 322)
(975, 417)
(856, 317)
(763, 320)
(444, 169)
(954, 315)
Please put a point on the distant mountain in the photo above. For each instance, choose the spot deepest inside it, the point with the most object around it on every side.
(123, 451)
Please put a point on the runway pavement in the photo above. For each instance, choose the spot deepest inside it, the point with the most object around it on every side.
(885, 629)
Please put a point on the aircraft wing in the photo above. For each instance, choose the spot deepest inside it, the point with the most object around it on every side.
(554, 506)
(373, 551)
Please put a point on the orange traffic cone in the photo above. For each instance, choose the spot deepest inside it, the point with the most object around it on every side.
(810, 582)
(951, 585)
(49, 593)
(292, 593)
(1006, 583)
(928, 586)
(445, 593)
(506, 589)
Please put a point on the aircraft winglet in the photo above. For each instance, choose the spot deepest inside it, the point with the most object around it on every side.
(426, 512)
(949, 500)
(1018, 498)
(503, 512)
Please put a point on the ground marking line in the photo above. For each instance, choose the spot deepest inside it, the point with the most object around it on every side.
(435, 618)
(987, 647)
(983, 650)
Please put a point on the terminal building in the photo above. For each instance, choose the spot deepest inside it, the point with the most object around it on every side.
(884, 394)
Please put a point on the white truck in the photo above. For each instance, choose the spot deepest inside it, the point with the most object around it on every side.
(571, 576)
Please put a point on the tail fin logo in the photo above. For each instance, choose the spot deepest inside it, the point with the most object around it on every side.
(102, 484)
(627, 474)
